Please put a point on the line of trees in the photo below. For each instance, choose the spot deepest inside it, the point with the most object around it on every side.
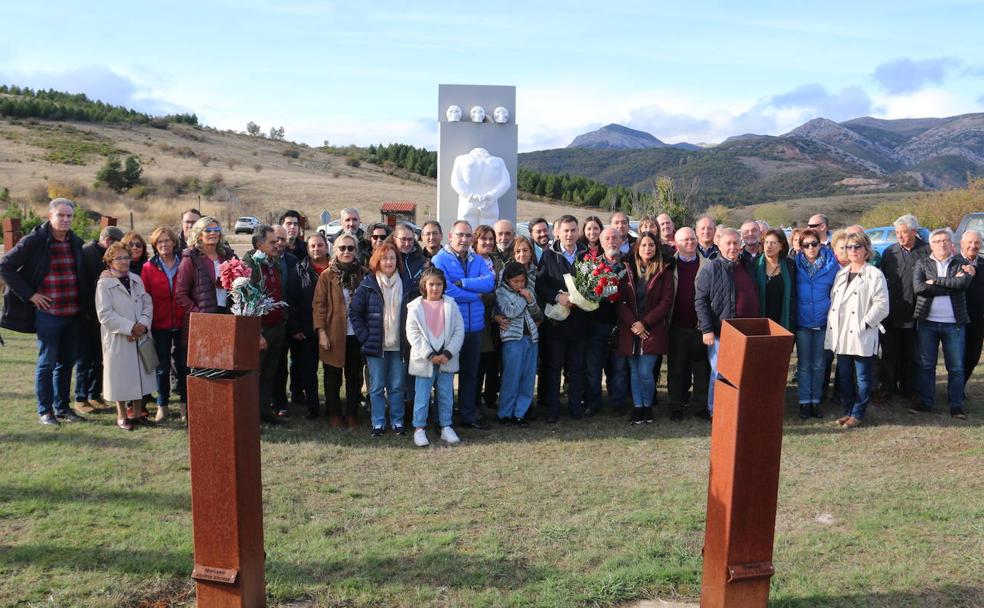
(23, 102)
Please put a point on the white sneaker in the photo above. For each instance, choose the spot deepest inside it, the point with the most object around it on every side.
(420, 438)
(448, 435)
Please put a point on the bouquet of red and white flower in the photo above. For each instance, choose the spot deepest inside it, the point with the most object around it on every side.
(593, 281)
(248, 300)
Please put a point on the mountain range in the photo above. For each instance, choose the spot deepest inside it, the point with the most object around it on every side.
(819, 158)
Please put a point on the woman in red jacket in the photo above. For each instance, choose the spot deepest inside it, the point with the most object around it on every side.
(646, 294)
(159, 276)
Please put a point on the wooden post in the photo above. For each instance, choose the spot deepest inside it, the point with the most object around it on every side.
(224, 442)
(11, 232)
(746, 444)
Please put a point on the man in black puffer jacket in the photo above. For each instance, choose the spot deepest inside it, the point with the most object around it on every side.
(940, 283)
(725, 290)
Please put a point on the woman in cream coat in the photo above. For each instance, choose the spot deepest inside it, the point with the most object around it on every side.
(125, 312)
(858, 304)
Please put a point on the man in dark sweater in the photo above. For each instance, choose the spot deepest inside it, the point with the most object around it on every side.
(599, 355)
(688, 364)
(723, 290)
(970, 248)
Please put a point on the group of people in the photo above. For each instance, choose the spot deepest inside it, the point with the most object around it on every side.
(492, 307)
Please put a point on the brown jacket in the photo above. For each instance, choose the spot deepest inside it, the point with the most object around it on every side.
(331, 315)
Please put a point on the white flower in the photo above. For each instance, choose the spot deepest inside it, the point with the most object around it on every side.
(240, 282)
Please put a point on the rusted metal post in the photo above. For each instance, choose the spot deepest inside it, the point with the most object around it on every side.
(746, 444)
(106, 221)
(224, 442)
(11, 232)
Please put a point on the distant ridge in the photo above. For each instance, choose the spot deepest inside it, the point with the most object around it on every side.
(617, 137)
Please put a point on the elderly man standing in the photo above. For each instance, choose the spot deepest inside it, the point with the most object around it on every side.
(468, 277)
(688, 365)
(724, 290)
(352, 224)
(940, 283)
(88, 367)
(563, 341)
(505, 234)
(599, 354)
(970, 249)
(818, 222)
(751, 237)
(899, 360)
(619, 221)
(706, 229)
(45, 283)
(667, 231)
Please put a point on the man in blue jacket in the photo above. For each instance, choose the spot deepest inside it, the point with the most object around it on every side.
(468, 278)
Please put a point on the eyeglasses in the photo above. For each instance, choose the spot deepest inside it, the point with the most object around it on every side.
(378, 237)
(809, 245)
(462, 235)
(213, 230)
(122, 259)
(406, 239)
(345, 248)
(814, 225)
(853, 247)
(136, 245)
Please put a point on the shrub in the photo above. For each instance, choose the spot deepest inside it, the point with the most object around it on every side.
(4, 195)
(257, 167)
(231, 163)
(71, 189)
(184, 151)
(352, 161)
(932, 209)
(719, 213)
(204, 159)
(118, 177)
(291, 152)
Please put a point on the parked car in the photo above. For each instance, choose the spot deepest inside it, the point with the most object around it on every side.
(247, 224)
(971, 221)
(883, 237)
(333, 228)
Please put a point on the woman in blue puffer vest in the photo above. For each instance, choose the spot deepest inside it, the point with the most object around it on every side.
(816, 267)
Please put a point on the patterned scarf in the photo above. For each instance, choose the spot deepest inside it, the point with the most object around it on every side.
(349, 275)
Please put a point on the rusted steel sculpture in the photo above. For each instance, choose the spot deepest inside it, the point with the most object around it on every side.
(746, 443)
(224, 442)
(106, 221)
(11, 232)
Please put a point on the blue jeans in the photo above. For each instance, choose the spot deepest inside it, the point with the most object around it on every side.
(518, 377)
(598, 353)
(712, 357)
(810, 364)
(164, 340)
(57, 340)
(471, 350)
(386, 384)
(855, 398)
(930, 334)
(642, 379)
(445, 397)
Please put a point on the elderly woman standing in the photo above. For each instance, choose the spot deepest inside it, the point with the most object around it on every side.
(338, 348)
(858, 304)
(159, 275)
(125, 313)
(137, 247)
(197, 287)
(378, 315)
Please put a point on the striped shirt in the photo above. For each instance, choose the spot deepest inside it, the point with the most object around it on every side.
(61, 283)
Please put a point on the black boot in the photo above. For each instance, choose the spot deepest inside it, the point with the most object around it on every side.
(804, 411)
(815, 411)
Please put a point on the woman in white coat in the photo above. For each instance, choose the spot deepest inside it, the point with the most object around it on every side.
(858, 305)
(125, 312)
(435, 331)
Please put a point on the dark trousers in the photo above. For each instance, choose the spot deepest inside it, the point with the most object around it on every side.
(297, 385)
(487, 384)
(468, 376)
(899, 365)
(269, 360)
(304, 371)
(687, 366)
(353, 381)
(972, 349)
(563, 353)
(168, 344)
(88, 366)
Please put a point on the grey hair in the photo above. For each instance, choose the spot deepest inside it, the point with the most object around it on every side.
(58, 202)
(939, 231)
(726, 230)
(351, 211)
(260, 235)
(907, 220)
(976, 233)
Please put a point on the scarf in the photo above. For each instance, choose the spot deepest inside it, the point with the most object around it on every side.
(392, 288)
(349, 276)
(787, 288)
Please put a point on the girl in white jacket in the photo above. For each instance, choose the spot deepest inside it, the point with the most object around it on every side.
(435, 331)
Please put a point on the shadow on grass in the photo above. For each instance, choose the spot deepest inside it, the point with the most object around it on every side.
(174, 502)
(437, 568)
(947, 595)
(65, 436)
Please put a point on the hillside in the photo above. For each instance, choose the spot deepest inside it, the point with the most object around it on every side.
(618, 137)
(818, 158)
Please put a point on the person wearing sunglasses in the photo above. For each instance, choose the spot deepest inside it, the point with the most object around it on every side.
(858, 305)
(820, 223)
(338, 348)
(816, 267)
(196, 288)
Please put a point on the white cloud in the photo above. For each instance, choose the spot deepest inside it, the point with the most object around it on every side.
(926, 103)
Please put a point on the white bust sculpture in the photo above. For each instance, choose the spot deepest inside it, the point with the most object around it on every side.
(454, 113)
(500, 115)
(478, 114)
(480, 179)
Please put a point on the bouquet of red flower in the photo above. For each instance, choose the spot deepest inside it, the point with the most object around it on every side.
(248, 300)
(231, 270)
(593, 281)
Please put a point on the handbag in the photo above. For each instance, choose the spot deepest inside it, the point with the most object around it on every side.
(148, 355)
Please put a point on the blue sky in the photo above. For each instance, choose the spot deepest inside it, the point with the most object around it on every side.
(366, 72)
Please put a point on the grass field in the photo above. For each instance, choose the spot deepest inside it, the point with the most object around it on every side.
(588, 513)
